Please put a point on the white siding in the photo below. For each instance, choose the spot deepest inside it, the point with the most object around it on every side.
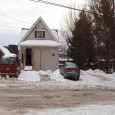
(36, 57)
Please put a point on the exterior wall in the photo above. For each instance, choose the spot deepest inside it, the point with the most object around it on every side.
(22, 51)
(42, 58)
(40, 27)
(48, 61)
(36, 56)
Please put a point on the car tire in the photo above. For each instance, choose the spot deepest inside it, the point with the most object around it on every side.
(61, 73)
(65, 77)
(3, 75)
(78, 78)
(16, 75)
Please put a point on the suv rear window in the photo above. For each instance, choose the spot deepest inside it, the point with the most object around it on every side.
(7, 61)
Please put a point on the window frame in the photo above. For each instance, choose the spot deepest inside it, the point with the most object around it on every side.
(40, 34)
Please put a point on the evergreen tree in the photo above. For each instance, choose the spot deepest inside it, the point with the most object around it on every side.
(81, 44)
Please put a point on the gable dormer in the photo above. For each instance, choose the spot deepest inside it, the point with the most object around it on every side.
(39, 30)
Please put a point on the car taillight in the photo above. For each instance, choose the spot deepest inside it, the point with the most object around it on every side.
(78, 70)
(68, 69)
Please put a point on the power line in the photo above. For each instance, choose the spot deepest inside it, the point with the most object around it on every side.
(14, 18)
(10, 26)
(59, 5)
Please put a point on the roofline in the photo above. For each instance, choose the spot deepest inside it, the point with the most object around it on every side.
(33, 26)
(39, 45)
(46, 46)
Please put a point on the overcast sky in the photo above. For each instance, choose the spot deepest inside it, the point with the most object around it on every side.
(29, 11)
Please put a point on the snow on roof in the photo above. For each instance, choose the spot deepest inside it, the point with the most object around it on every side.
(9, 55)
(4, 50)
(42, 43)
(55, 33)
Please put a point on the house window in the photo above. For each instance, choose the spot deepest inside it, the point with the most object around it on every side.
(39, 34)
(53, 53)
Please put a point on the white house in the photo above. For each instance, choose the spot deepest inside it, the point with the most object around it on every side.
(39, 48)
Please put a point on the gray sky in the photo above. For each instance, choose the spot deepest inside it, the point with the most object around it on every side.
(29, 11)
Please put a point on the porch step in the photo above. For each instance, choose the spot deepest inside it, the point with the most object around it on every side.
(28, 68)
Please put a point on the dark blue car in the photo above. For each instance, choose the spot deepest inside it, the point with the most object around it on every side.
(70, 70)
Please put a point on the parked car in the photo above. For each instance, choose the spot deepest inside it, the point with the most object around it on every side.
(9, 65)
(70, 70)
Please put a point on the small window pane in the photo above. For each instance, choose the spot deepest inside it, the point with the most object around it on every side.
(39, 34)
(35, 34)
(43, 34)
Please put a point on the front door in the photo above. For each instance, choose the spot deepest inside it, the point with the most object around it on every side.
(29, 56)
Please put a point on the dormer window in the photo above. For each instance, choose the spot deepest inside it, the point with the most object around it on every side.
(39, 34)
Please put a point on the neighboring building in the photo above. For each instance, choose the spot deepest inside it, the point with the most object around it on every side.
(39, 48)
(13, 49)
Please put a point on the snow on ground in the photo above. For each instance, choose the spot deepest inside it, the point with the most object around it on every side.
(88, 79)
(45, 73)
(96, 79)
(85, 110)
(29, 76)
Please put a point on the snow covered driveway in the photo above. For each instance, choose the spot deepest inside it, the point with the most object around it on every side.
(46, 93)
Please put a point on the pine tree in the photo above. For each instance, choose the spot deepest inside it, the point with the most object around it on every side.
(81, 44)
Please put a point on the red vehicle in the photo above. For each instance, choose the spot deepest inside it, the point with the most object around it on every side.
(9, 65)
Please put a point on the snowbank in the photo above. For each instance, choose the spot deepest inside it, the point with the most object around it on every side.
(29, 76)
(45, 73)
(56, 76)
(90, 79)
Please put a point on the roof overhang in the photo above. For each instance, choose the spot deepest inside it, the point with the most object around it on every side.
(39, 43)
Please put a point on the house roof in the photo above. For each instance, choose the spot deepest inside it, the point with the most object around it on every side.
(4, 50)
(40, 43)
(55, 33)
(33, 26)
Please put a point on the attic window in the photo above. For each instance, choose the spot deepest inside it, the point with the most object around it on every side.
(39, 34)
